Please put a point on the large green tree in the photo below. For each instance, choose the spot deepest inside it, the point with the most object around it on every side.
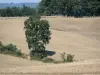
(77, 8)
(37, 35)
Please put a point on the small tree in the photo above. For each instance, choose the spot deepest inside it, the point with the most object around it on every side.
(69, 57)
(38, 35)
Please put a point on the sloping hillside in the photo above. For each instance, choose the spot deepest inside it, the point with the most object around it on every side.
(12, 65)
(78, 36)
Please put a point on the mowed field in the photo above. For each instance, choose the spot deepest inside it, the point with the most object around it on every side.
(77, 36)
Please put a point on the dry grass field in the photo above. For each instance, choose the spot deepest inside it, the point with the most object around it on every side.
(78, 36)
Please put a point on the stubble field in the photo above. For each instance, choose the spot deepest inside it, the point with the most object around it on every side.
(78, 36)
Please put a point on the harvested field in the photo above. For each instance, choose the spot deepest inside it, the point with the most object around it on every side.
(78, 36)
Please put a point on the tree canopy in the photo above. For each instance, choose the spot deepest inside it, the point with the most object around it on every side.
(77, 8)
(17, 11)
(37, 35)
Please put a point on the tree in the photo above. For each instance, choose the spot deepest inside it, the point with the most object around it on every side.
(37, 35)
(17, 11)
(44, 8)
(76, 8)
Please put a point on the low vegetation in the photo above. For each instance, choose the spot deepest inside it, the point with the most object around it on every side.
(48, 60)
(11, 49)
(63, 57)
(70, 58)
(67, 57)
(36, 58)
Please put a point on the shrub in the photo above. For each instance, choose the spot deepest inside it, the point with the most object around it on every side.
(63, 56)
(19, 53)
(48, 60)
(11, 50)
(69, 57)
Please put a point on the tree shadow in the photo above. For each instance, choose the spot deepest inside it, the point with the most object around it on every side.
(50, 53)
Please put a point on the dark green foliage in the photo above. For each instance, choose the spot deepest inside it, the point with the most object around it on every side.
(39, 54)
(76, 8)
(48, 60)
(38, 35)
(16, 11)
(10, 49)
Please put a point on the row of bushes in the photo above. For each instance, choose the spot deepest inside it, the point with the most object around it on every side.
(11, 49)
(65, 58)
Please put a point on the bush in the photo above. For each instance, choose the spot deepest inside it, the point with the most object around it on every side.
(69, 57)
(63, 56)
(19, 53)
(48, 60)
(11, 49)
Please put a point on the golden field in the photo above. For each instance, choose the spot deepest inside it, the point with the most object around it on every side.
(78, 36)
